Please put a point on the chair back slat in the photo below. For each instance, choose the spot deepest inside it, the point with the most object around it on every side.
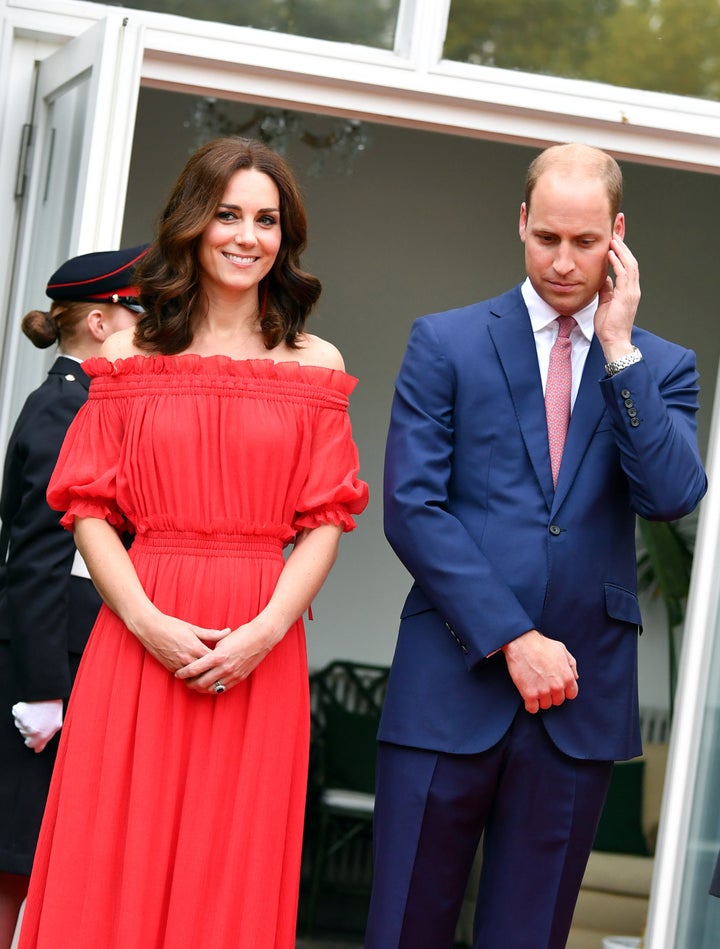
(346, 701)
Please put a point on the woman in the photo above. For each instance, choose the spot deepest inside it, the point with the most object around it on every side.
(218, 432)
(47, 602)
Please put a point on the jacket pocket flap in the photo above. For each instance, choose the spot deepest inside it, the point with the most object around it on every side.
(622, 604)
(416, 602)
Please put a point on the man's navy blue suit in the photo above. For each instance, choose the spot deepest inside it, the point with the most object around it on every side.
(495, 550)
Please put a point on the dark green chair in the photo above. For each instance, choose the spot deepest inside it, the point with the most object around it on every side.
(346, 700)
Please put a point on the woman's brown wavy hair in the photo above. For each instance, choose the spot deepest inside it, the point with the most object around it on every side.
(168, 276)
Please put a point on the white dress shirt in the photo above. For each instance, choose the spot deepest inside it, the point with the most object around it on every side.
(545, 329)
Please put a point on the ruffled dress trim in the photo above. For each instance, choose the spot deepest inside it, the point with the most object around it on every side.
(340, 516)
(80, 507)
(221, 367)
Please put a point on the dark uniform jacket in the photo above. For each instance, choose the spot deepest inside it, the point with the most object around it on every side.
(45, 612)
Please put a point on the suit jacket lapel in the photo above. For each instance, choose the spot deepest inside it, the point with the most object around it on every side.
(514, 343)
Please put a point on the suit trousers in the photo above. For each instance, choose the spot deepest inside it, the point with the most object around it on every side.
(539, 811)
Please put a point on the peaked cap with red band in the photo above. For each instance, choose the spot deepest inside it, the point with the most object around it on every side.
(102, 277)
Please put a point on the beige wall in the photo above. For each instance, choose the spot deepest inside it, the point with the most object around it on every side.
(427, 222)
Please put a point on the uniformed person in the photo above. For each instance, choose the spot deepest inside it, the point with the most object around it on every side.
(47, 601)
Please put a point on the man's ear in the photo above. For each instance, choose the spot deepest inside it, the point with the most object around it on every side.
(96, 324)
(522, 226)
(619, 226)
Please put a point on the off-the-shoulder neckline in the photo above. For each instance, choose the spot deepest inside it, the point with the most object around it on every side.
(194, 362)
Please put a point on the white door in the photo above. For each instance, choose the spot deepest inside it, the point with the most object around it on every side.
(75, 180)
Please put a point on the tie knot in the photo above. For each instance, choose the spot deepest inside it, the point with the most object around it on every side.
(566, 324)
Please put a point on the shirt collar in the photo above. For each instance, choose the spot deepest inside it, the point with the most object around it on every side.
(542, 314)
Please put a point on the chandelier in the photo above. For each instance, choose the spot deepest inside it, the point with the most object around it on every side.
(333, 142)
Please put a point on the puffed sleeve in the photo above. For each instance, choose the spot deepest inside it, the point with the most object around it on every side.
(332, 492)
(84, 482)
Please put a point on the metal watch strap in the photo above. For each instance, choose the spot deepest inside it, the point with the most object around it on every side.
(617, 364)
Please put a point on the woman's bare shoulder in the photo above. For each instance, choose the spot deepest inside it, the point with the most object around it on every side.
(120, 345)
(314, 351)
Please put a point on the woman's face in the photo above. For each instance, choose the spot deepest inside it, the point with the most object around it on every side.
(239, 246)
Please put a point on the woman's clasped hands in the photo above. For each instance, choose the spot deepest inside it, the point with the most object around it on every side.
(203, 657)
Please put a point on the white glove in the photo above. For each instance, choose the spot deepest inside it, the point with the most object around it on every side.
(37, 722)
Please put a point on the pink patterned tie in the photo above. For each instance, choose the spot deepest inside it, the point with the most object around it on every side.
(557, 392)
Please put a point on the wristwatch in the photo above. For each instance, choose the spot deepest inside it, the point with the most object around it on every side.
(623, 362)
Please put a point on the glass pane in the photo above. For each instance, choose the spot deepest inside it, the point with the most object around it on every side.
(330, 144)
(58, 186)
(699, 914)
(659, 45)
(364, 22)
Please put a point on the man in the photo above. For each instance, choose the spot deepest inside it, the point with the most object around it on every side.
(514, 683)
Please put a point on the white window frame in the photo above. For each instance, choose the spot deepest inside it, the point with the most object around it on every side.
(410, 86)
(684, 764)
(73, 196)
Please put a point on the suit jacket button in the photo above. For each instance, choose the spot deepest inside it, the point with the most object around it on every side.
(69, 377)
(625, 393)
(555, 530)
(634, 422)
(629, 403)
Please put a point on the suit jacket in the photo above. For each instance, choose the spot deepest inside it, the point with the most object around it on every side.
(495, 551)
(45, 611)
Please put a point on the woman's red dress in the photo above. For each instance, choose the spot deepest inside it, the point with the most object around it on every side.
(175, 818)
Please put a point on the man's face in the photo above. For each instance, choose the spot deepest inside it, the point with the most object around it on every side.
(567, 235)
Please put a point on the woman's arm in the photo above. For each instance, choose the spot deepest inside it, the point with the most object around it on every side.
(173, 642)
(239, 652)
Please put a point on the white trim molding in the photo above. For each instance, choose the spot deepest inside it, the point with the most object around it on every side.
(681, 783)
(409, 86)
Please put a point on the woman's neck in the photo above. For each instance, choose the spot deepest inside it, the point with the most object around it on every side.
(231, 326)
(80, 350)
